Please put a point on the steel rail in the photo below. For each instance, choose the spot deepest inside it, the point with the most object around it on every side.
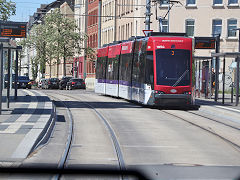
(116, 144)
(211, 119)
(65, 155)
(236, 146)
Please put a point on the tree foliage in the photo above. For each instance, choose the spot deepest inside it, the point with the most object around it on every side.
(56, 38)
(7, 9)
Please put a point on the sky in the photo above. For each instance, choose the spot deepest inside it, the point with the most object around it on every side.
(25, 8)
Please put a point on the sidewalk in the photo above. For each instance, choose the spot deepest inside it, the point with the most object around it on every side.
(227, 101)
(25, 125)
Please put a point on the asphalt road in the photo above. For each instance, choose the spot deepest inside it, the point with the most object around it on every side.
(163, 144)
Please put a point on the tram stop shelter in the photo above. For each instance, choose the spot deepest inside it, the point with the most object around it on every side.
(235, 55)
(202, 71)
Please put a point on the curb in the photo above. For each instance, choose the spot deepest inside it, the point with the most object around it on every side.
(47, 131)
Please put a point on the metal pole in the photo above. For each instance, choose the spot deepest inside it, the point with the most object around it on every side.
(16, 75)
(1, 77)
(115, 22)
(238, 59)
(86, 40)
(223, 95)
(237, 81)
(168, 16)
(8, 77)
(210, 90)
(99, 23)
(148, 15)
(217, 67)
(199, 80)
(160, 24)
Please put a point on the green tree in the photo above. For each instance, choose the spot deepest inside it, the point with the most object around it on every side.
(64, 36)
(56, 38)
(7, 9)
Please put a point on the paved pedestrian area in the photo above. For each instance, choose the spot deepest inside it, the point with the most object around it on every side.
(201, 100)
(24, 124)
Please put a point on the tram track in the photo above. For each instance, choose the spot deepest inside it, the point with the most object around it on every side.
(120, 160)
(208, 129)
(235, 143)
(67, 151)
(214, 131)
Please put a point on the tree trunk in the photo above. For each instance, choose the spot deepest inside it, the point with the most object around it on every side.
(50, 68)
(64, 63)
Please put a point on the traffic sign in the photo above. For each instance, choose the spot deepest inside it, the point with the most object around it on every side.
(13, 29)
(146, 32)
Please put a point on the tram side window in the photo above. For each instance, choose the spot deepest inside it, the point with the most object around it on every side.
(142, 62)
(103, 69)
(109, 69)
(149, 69)
(99, 68)
(125, 69)
(112, 68)
(135, 73)
(116, 67)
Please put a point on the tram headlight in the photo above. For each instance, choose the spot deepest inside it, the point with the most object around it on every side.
(187, 92)
(158, 93)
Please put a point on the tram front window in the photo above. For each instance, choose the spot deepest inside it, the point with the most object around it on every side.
(173, 67)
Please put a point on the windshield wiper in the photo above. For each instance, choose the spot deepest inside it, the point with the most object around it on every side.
(180, 78)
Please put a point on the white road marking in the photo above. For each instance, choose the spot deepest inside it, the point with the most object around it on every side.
(22, 120)
(231, 109)
(140, 146)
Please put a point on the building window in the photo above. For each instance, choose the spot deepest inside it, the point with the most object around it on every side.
(164, 25)
(191, 2)
(190, 27)
(215, 2)
(232, 1)
(232, 24)
(164, 2)
(216, 27)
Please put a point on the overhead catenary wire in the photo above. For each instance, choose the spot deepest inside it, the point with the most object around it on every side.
(95, 15)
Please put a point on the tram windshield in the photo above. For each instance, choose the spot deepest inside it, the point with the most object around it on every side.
(173, 67)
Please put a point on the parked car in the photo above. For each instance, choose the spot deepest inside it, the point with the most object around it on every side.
(76, 83)
(40, 83)
(51, 83)
(24, 82)
(6, 80)
(63, 82)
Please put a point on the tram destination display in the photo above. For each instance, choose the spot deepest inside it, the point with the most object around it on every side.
(13, 29)
(205, 42)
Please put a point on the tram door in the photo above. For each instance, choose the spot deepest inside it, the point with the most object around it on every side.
(205, 78)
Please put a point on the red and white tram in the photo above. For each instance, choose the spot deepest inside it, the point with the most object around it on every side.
(154, 70)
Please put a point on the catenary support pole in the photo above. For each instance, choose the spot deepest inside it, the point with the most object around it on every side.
(85, 41)
(238, 59)
(8, 77)
(223, 90)
(237, 82)
(148, 15)
(16, 76)
(1, 77)
(217, 67)
(100, 23)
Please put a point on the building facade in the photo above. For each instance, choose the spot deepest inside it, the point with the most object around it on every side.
(208, 19)
(108, 21)
(79, 11)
